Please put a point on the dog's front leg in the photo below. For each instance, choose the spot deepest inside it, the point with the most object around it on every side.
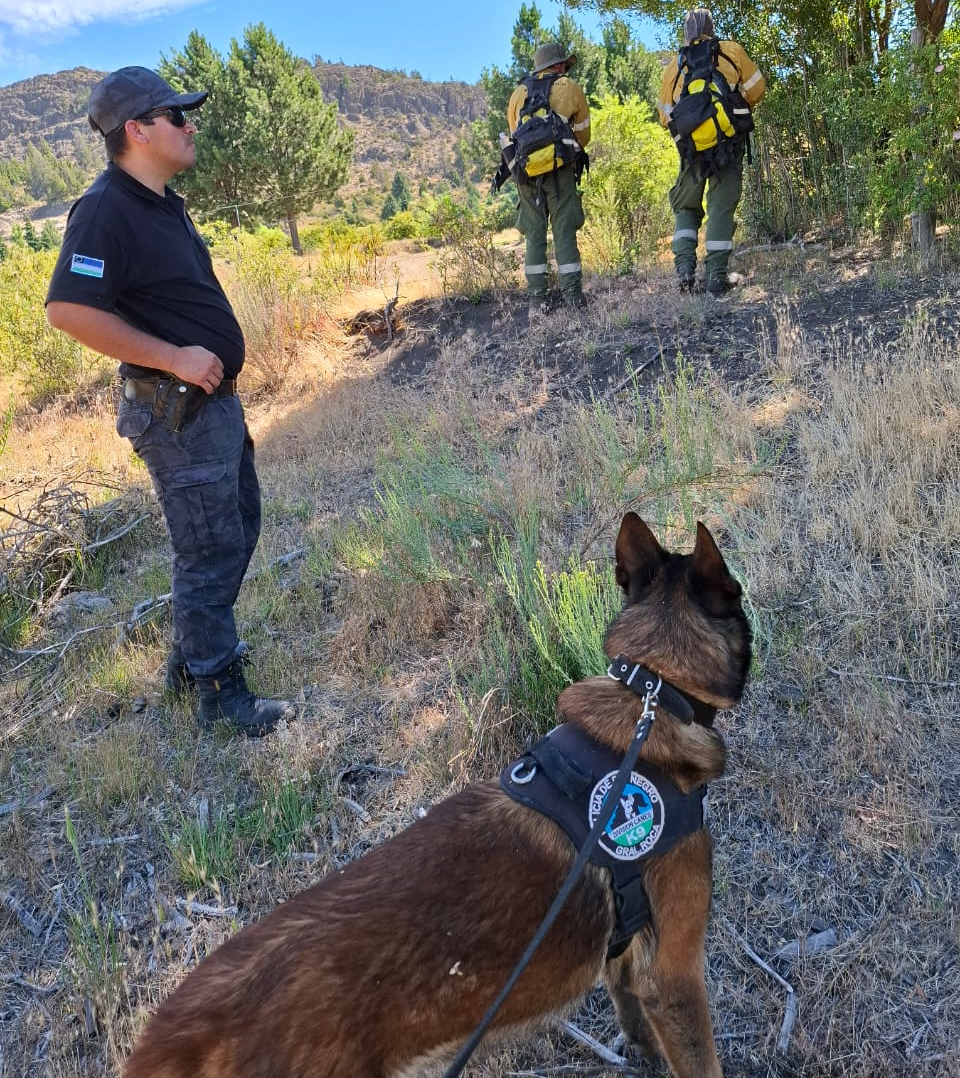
(622, 977)
(678, 1012)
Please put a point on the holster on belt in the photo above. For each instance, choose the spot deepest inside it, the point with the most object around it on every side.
(173, 401)
(177, 403)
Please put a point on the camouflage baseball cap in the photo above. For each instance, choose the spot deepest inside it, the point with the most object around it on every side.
(131, 92)
(550, 54)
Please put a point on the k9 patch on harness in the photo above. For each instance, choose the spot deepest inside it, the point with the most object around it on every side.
(86, 266)
(637, 821)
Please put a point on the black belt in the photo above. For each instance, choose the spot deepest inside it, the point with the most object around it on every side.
(145, 390)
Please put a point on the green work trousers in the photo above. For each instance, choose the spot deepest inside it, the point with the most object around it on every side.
(686, 201)
(552, 198)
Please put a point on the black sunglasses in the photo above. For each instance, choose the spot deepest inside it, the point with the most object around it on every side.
(176, 114)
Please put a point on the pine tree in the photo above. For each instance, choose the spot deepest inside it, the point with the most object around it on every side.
(30, 237)
(390, 208)
(400, 190)
(268, 144)
(49, 237)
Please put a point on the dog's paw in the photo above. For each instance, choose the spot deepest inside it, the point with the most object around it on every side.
(640, 1050)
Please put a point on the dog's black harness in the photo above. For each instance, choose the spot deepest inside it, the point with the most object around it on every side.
(567, 775)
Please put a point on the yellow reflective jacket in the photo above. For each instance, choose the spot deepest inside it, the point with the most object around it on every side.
(735, 66)
(566, 100)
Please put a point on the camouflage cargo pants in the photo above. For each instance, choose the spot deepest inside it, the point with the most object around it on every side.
(208, 488)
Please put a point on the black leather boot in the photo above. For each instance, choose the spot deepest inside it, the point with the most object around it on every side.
(226, 701)
(178, 679)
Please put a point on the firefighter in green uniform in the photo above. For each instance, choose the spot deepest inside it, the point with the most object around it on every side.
(723, 188)
(554, 197)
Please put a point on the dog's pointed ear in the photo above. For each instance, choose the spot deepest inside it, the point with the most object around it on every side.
(717, 587)
(639, 556)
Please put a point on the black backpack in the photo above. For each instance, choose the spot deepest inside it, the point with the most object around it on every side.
(543, 140)
(710, 121)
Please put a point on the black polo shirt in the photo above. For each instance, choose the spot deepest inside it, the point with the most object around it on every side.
(135, 253)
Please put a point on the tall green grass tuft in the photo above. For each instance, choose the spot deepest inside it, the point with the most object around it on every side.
(429, 505)
(42, 362)
(96, 957)
(450, 515)
(560, 620)
(208, 852)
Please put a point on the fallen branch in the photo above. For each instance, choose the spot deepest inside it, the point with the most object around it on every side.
(22, 914)
(790, 1011)
(137, 615)
(795, 241)
(792, 1006)
(357, 808)
(815, 944)
(578, 1069)
(594, 1045)
(26, 802)
(388, 311)
(61, 646)
(120, 840)
(630, 377)
(189, 906)
(871, 674)
(142, 609)
(40, 989)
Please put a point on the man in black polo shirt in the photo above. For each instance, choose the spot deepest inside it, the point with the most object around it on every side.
(134, 281)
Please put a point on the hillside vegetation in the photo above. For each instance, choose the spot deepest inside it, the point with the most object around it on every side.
(432, 503)
(442, 487)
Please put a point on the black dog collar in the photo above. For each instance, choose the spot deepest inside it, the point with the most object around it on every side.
(643, 681)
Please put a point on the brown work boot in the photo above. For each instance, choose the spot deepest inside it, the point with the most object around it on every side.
(721, 285)
(178, 679)
(574, 301)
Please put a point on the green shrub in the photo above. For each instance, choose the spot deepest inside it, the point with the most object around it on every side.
(632, 165)
(470, 263)
(403, 225)
(42, 362)
(915, 109)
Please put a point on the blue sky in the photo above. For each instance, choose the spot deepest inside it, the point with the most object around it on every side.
(438, 38)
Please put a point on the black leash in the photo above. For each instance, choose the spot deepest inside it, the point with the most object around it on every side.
(650, 700)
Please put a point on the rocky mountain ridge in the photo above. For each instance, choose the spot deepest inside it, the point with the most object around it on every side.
(392, 113)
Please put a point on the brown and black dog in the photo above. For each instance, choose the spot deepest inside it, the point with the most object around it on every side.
(385, 967)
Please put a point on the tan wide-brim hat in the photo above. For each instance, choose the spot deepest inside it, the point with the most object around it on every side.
(550, 54)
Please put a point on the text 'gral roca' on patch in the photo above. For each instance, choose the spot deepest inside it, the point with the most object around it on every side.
(637, 821)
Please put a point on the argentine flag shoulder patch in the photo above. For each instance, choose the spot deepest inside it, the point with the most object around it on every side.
(87, 266)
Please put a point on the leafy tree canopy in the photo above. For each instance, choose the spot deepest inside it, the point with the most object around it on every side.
(799, 33)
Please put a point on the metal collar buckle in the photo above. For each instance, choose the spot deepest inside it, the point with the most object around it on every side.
(648, 684)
